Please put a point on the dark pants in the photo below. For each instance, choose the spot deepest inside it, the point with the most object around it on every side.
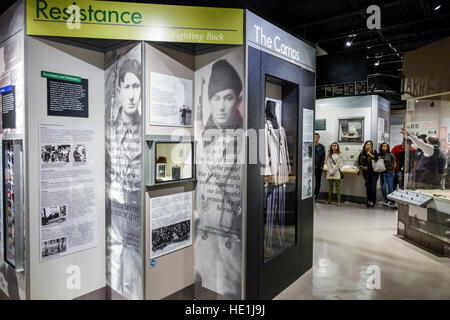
(318, 174)
(371, 178)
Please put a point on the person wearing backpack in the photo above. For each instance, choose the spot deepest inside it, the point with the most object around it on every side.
(434, 160)
(367, 155)
(334, 163)
(387, 176)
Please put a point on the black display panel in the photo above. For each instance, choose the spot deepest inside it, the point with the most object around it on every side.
(342, 68)
(67, 99)
(268, 275)
(8, 107)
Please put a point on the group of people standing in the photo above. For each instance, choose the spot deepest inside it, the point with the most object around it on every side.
(427, 164)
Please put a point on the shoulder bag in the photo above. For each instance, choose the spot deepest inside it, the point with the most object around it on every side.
(340, 172)
(378, 166)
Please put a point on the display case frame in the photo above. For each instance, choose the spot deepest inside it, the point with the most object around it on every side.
(151, 173)
(17, 204)
(339, 136)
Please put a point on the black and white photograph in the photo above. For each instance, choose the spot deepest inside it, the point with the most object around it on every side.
(161, 170)
(307, 179)
(56, 214)
(307, 150)
(170, 100)
(55, 153)
(351, 130)
(79, 153)
(170, 223)
(54, 246)
(219, 94)
(123, 116)
(165, 236)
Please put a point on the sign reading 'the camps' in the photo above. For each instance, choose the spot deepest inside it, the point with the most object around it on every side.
(8, 107)
(67, 96)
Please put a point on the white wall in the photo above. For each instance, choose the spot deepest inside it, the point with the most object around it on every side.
(48, 279)
(333, 109)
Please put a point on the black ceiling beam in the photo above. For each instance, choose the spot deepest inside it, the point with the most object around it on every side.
(362, 31)
(286, 4)
(371, 46)
(346, 15)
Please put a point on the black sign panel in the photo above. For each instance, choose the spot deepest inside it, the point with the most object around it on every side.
(8, 107)
(67, 99)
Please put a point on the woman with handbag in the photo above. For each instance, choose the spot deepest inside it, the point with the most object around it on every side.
(334, 163)
(366, 161)
(387, 176)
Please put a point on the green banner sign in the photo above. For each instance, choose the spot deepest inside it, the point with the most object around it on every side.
(60, 76)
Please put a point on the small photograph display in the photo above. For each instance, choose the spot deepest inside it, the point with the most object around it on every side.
(351, 130)
(161, 170)
(170, 100)
(174, 161)
(9, 203)
(56, 214)
(54, 247)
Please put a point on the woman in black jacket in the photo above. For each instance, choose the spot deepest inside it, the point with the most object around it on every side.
(370, 177)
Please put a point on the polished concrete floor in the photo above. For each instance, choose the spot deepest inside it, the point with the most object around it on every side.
(350, 239)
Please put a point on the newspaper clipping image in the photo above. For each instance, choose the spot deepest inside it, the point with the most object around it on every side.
(67, 189)
(170, 223)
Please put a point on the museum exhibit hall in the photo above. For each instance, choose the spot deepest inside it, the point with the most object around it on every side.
(214, 151)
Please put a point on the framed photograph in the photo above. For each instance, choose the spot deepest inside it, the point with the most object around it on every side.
(161, 170)
(351, 130)
(320, 125)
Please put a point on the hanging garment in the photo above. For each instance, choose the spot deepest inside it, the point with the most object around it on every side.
(278, 167)
(276, 154)
(275, 209)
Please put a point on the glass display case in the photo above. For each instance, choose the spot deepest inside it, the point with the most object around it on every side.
(425, 166)
(12, 204)
(280, 177)
(169, 161)
(173, 161)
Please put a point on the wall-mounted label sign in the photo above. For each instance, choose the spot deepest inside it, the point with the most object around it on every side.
(60, 76)
(8, 107)
(267, 37)
(134, 21)
(67, 95)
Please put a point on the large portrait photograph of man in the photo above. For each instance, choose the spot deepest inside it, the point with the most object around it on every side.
(123, 132)
(220, 116)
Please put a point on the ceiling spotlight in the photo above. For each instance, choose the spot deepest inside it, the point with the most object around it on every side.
(437, 7)
(348, 43)
(377, 63)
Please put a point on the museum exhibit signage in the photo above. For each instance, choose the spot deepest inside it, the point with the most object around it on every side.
(67, 96)
(134, 21)
(67, 189)
(8, 107)
(267, 37)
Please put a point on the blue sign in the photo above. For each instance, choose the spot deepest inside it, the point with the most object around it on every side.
(6, 89)
(152, 263)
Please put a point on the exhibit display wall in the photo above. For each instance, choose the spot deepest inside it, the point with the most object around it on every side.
(108, 194)
(219, 208)
(374, 110)
(173, 271)
(124, 153)
(12, 273)
(66, 258)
